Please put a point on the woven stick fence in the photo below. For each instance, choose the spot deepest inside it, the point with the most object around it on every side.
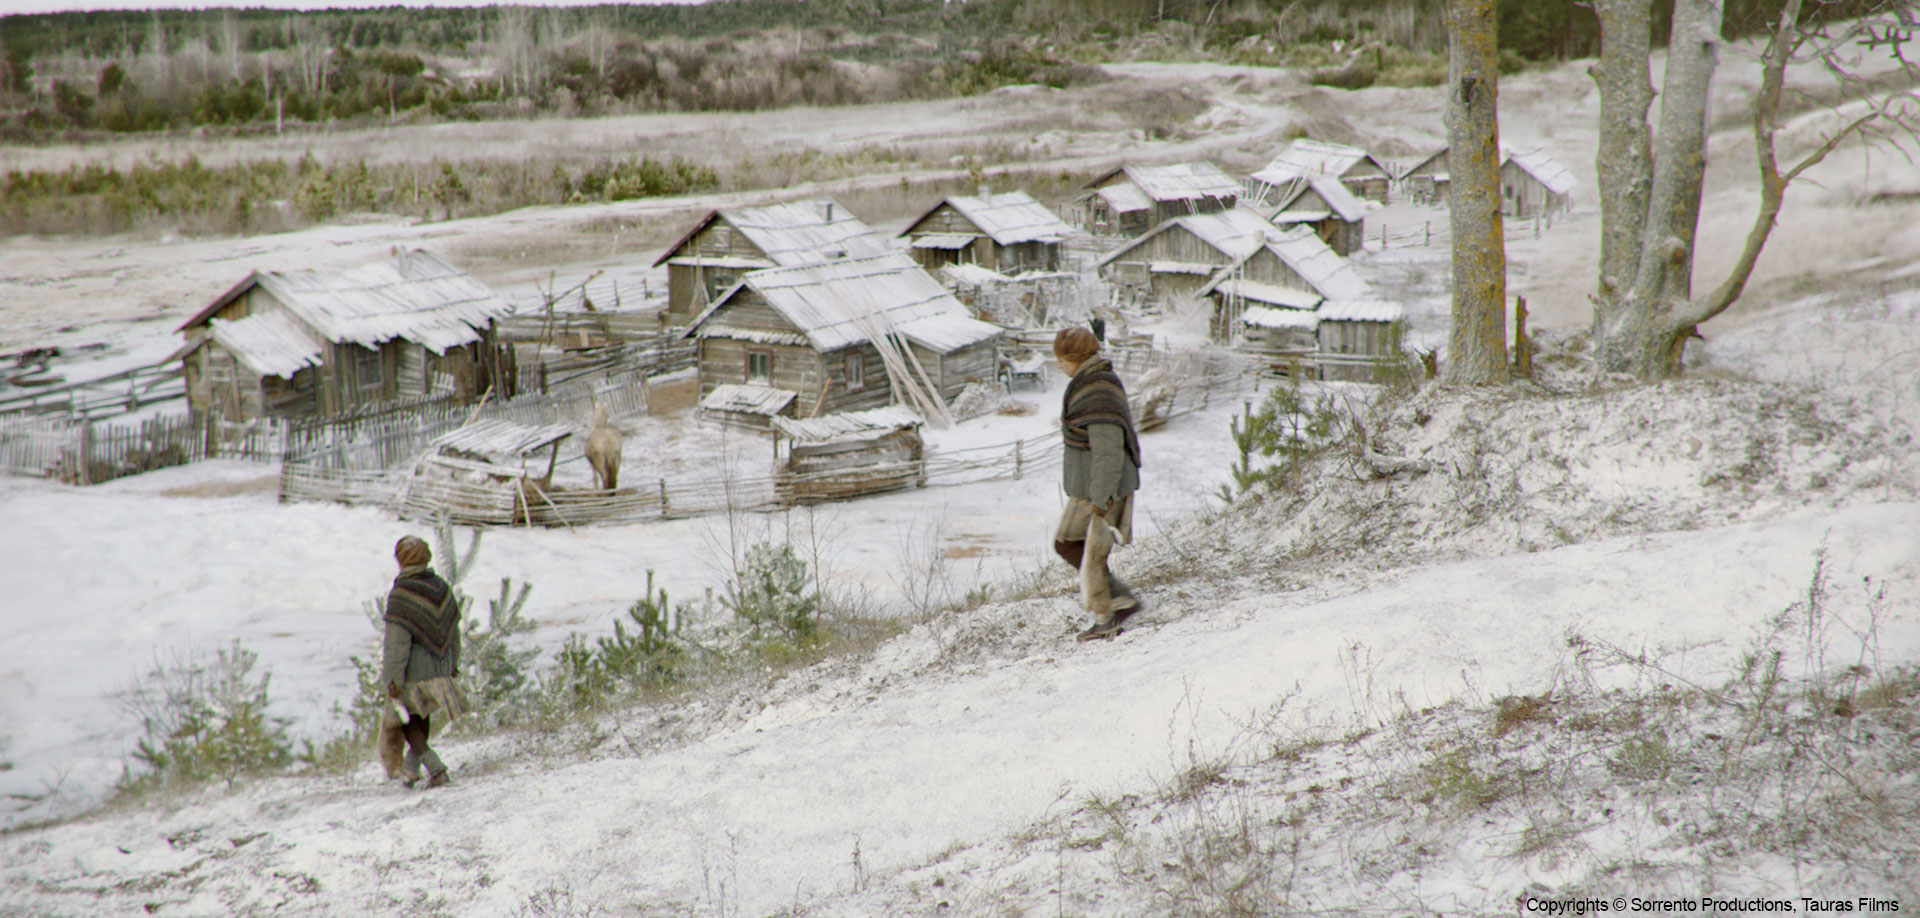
(508, 504)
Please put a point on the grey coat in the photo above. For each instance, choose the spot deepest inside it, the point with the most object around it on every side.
(403, 659)
(1103, 474)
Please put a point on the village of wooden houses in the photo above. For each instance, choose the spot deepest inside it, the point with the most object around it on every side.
(408, 384)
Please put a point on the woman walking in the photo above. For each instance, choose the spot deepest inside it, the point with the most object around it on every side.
(1100, 470)
(419, 664)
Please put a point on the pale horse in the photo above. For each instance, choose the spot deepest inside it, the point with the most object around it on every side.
(603, 450)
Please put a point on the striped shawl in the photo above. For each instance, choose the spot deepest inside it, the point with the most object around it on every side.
(424, 604)
(1096, 396)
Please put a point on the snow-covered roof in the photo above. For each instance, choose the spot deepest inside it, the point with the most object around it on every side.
(1543, 168)
(1330, 274)
(737, 262)
(270, 343)
(1181, 267)
(850, 425)
(1301, 250)
(1273, 294)
(1236, 233)
(1332, 191)
(1124, 198)
(795, 233)
(973, 275)
(1008, 218)
(1535, 162)
(1361, 311)
(1177, 182)
(416, 296)
(943, 241)
(1306, 158)
(1265, 317)
(846, 302)
(762, 400)
(501, 439)
(1286, 217)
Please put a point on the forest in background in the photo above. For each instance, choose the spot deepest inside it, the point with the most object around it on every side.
(64, 75)
(75, 77)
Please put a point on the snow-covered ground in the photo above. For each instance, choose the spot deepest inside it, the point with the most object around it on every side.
(981, 762)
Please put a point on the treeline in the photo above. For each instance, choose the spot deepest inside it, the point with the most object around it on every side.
(270, 195)
(123, 71)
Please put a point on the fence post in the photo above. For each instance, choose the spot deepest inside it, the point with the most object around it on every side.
(86, 452)
(1018, 463)
(1429, 241)
(1383, 236)
(663, 498)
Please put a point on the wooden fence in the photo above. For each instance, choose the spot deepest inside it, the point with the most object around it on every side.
(1203, 379)
(119, 393)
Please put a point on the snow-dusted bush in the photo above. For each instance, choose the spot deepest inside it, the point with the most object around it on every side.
(775, 591)
(203, 719)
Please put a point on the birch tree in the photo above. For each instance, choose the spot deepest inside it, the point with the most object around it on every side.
(1477, 344)
(1651, 185)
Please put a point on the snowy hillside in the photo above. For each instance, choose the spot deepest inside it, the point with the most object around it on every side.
(1604, 643)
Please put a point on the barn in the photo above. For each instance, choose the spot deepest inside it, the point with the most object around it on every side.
(1324, 204)
(1179, 256)
(294, 344)
(1364, 175)
(1008, 233)
(840, 336)
(729, 242)
(1133, 199)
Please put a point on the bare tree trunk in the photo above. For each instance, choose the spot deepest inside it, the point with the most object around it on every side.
(1623, 158)
(1477, 345)
(1635, 331)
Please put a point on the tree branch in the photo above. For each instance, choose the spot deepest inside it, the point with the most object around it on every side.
(1781, 48)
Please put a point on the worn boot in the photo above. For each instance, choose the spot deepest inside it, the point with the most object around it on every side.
(1100, 630)
(436, 771)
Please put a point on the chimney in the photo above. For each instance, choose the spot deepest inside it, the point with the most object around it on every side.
(829, 211)
(986, 193)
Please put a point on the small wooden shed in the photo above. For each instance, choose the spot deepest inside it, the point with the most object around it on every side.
(491, 472)
(727, 243)
(842, 336)
(1357, 336)
(847, 455)
(295, 344)
(1007, 232)
(1133, 199)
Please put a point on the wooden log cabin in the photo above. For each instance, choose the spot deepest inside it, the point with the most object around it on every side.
(1335, 215)
(1532, 184)
(727, 243)
(1008, 232)
(294, 344)
(1365, 175)
(1178, 257)
(800, 342)
(1290, 269)
(1133, 199)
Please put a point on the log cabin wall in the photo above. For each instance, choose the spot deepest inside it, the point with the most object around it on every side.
(691, 287)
